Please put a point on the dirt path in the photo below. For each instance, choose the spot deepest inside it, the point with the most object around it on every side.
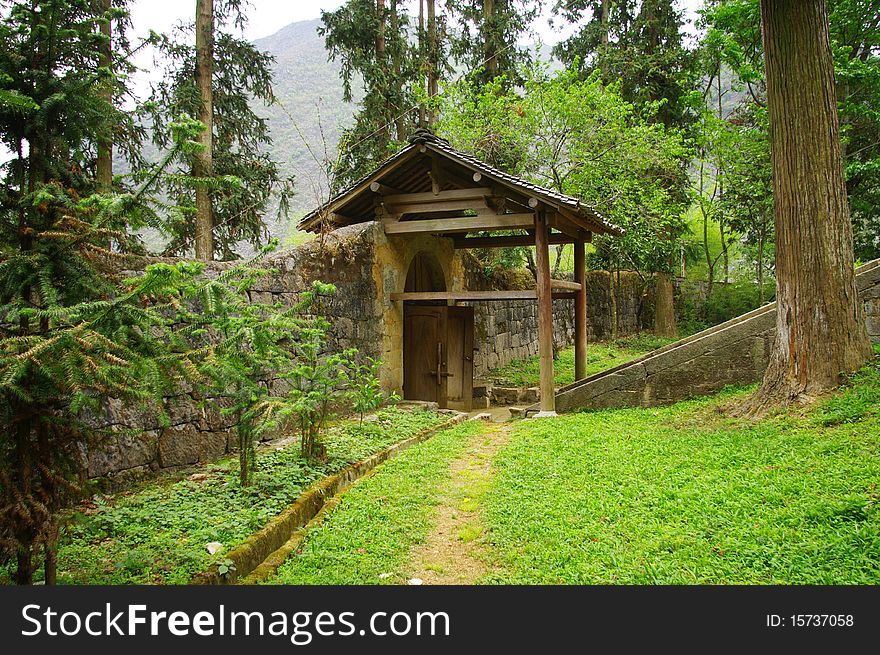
(454, 550)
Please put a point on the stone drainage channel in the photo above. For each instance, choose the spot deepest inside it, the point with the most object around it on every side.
(260, 554)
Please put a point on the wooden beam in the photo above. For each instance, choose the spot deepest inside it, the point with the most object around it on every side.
(378, 187)
(463, 224)
(533, 202)
(563, 224)
(565, 284)
(545, 315)
(478, 176)
(476, 193)
(580, 312)
(528, 294)
(436, 206)
(462, 243)
(476, 296)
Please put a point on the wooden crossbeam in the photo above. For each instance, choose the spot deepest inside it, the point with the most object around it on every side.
(476, 193)
(510, 241)
(565, 284)
(475, 296)
(461, 224)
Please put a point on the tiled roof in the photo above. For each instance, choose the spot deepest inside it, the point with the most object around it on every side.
(442, 146)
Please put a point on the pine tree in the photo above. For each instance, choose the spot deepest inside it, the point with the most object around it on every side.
(372, 39)
(241, 180)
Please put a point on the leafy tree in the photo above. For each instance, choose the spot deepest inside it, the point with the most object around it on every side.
(243, 179)
(733, 32)
(485, 41)
(372, 39)
(583, 139)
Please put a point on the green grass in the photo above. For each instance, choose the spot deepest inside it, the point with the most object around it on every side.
(157, 535)
(368, 537)
(684, 495)
(600, 357)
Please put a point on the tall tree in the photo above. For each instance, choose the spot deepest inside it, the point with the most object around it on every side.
(820, 322)
(371, 38)
(104, 161)
(241, 181)
(487, 34)
(203, 164)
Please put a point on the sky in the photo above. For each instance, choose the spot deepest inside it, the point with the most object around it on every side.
(265, 17)
(268, 16)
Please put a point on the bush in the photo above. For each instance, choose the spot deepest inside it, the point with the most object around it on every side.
(727, 301)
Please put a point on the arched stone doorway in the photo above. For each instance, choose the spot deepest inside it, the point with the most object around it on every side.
(438, 341)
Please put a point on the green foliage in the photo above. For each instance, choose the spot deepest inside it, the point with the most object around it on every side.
(245, 177)
(726, 301)
(157, 535)
(368, 537)
(365, 390)
(582, 138)
(641, 47)
(733, 40)
(600, 357)
(682, 495)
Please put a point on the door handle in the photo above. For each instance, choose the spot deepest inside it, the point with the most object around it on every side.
(440, 373)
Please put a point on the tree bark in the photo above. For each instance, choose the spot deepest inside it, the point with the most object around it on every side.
(664, 307)
(433, 87)
(104, 164)
(203, 166)
(820, 322)
(489, 49)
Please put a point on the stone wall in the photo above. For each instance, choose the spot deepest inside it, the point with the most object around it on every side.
(366, 267)
(735, 352)
(508, 330)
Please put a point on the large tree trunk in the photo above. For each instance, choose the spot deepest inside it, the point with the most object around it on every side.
(399, 123)
(820, 322)
(104, 163)
(664, 306)
(204, 241)
(433, 64)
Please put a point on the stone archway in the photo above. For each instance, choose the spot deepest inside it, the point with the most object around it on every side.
(425, 273)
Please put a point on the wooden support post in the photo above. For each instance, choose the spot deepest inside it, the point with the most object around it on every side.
(580, 312)
(545, 315)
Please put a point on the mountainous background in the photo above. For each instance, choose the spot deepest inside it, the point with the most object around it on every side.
(308, 118)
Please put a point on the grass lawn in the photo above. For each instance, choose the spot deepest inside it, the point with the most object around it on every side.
(684, 495)
(600, 357)
(157, 535)
(367, 538)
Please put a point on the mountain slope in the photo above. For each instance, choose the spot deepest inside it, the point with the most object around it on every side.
(309, 117)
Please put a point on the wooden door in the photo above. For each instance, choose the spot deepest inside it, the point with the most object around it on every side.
(438, 344)
(460, 357)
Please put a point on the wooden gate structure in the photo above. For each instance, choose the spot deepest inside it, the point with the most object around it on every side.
(431, 188)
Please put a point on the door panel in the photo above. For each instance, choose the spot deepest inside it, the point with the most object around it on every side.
(438, 344)
(423, 329)
(459, 360)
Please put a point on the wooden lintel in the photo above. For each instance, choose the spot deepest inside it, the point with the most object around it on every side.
(436, 206)
(463, 224)
(528, 294)
(556, 238)
(476, 193)
(565, 284)
(476, 296)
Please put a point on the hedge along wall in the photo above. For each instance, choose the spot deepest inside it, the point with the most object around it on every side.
(366, 267)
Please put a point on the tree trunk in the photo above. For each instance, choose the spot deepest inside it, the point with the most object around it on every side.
(424, 64)
(489, 49)
(664, 307)
(399, 123)
(761, 269)
(433, 87)
(104, 173)
(612, 292)
(204, 232)
(820, 322)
